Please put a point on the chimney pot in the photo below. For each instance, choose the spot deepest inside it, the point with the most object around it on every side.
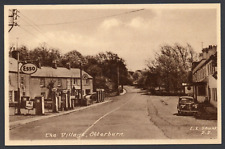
(38, 63)
(54, 64)
(68, 65)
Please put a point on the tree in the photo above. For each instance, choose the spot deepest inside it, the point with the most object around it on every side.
(136, 76)
(92, 67)
(171, 66)
(44, 55)
(112, 66)
(104, 68)
(23, 52)
(74, 58)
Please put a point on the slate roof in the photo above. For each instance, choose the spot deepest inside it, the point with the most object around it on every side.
(61, 72)
(201, 63)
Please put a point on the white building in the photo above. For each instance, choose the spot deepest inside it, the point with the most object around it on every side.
(204, 76)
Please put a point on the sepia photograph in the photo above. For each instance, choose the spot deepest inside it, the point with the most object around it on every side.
(112, 74)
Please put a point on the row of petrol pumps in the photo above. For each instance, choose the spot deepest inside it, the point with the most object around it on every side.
(60, 101)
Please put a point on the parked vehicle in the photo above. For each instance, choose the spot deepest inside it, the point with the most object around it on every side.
(87, 100)
(187, 105)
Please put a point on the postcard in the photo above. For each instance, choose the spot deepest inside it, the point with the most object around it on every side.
(112, 74)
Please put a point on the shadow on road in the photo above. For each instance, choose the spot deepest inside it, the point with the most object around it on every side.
(184, 114)
(206, 116)
(202, 116)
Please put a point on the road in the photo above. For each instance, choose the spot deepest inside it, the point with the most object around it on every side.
(133, 115)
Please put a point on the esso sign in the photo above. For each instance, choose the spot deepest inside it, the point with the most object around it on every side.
(28, 68)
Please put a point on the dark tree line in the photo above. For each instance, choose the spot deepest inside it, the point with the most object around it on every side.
(103, 67)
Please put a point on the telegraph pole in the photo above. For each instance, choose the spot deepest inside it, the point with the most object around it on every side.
(81, 88)
(13, 16)
(18, 77)
(118, 78)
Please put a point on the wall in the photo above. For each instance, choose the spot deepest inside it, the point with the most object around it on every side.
(213, 90)
(84, 85)
(37, 89)
(13, 84)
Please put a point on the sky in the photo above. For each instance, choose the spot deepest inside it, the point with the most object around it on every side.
(135, 34)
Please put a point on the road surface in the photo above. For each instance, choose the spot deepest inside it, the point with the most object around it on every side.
(133, 115)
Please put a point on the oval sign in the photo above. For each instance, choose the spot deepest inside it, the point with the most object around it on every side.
(28, 68)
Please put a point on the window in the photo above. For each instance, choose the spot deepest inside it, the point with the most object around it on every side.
(43, 94)
(73, 91)
(74, 81)
(77, 81)
(209, 68)
(204, 72)
(86, 82)
(68, 83)
(10, 82)
(213, 70)
(16, 95)
(214, 94)
(22, 80)
(79, 93)
(201, 91)
(42, 82)
(88, 91)
(209, 93)
(10, 96)
(59, 82)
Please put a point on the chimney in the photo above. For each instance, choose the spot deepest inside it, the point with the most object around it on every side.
(210, 46)
(15, 54)
(207, 52)
(68, 66)
(200, 56)
(38, 63)
(54, 64)
(204, 53)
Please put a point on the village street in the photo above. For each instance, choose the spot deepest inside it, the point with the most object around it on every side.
(133, 115)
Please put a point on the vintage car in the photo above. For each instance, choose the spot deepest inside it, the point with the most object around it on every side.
(187, 105)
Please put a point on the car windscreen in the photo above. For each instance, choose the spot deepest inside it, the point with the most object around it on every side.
(186, 100)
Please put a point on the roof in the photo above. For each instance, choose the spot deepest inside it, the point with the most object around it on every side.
(204, 62)
(59, 72)
(200, 64)
(12, 64)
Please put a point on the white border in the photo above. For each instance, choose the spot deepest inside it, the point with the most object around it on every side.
(114, 142)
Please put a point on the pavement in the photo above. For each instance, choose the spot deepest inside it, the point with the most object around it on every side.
(17, 120)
